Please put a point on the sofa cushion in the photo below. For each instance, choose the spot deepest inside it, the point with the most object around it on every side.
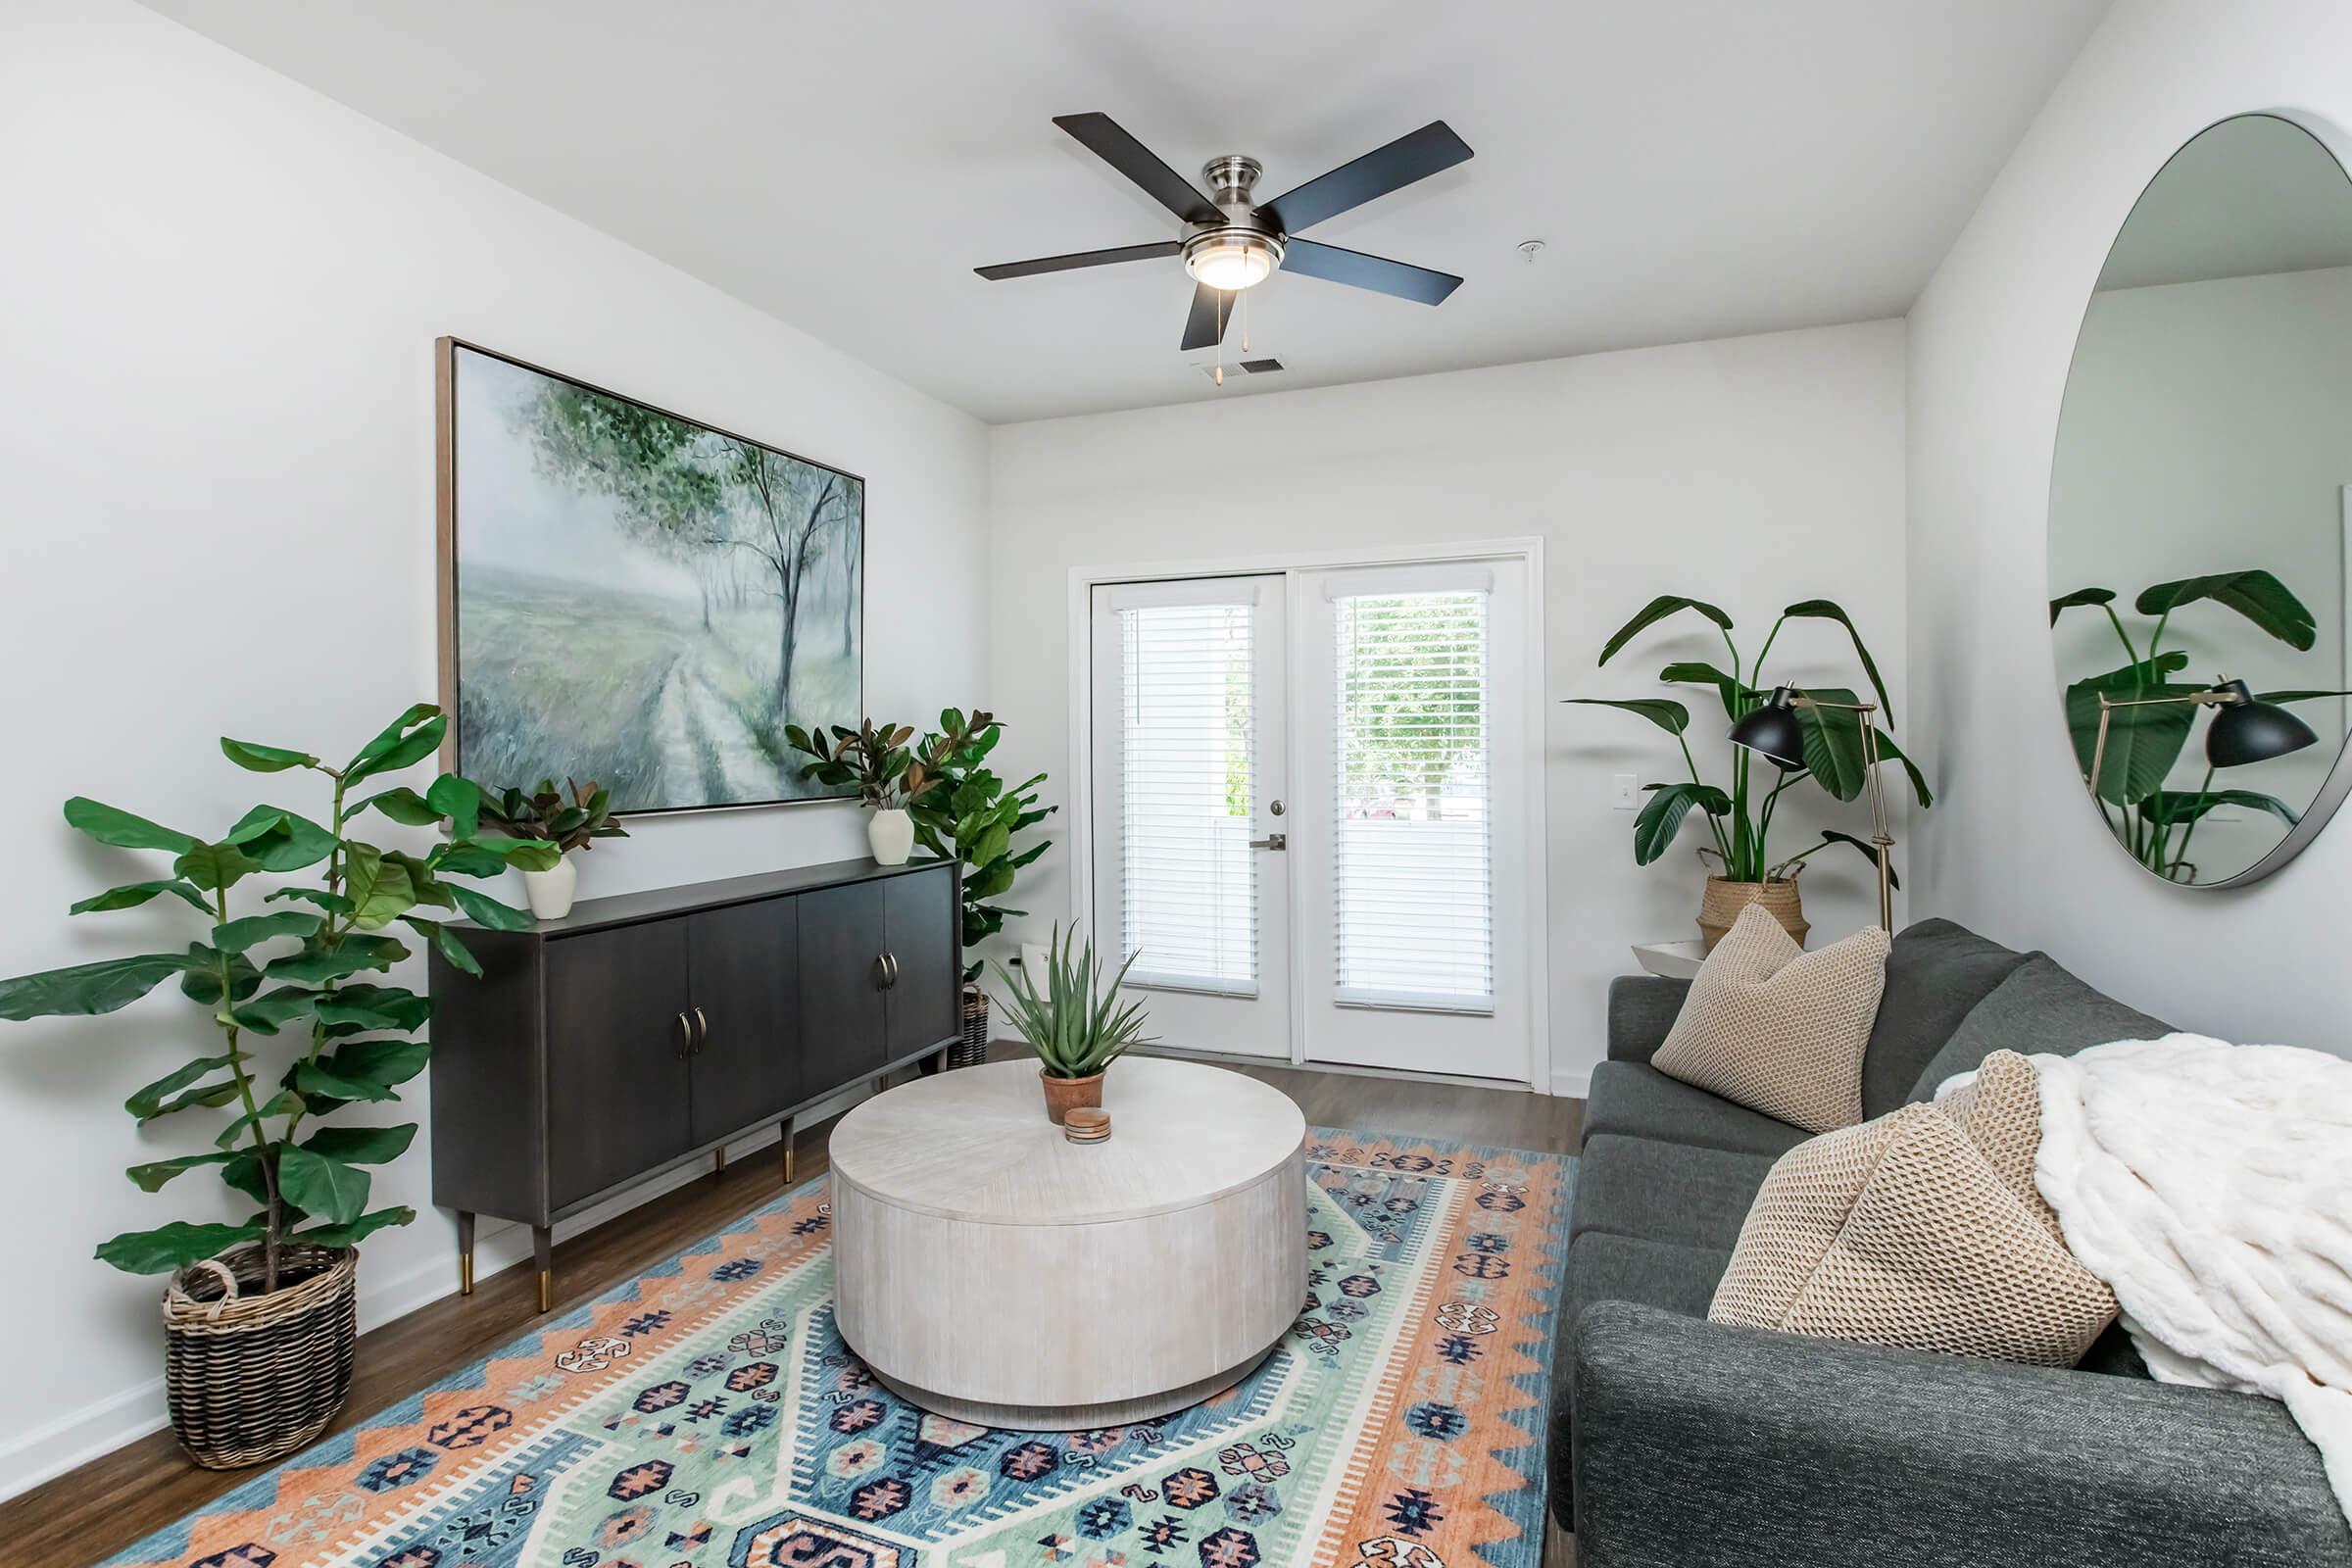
(1664, 1192)
(1617, 1268)
(2039, 1007)
(1776, 1028)
(1937, 972)
(1634, 1100)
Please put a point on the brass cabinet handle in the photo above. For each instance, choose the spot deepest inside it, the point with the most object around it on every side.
(685, 1039)
(702, 1031)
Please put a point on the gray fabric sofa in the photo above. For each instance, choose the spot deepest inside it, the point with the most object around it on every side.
(1680, 1442)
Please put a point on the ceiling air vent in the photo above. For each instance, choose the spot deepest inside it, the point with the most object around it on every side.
(1262, 366)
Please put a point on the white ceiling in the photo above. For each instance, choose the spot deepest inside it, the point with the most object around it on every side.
(1696, 169)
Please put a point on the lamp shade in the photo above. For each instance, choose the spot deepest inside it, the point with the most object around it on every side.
(1775, 731)
(2246, 731)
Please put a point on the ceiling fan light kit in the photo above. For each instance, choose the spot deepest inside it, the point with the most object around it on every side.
(1233, 242)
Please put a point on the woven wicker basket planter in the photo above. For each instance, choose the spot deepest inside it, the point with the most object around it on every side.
(971, 1049)
(1725, 899)
(252, 1378)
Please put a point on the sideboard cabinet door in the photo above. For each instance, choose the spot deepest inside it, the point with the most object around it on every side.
(615, 1084)
(746, 966)
(924, 931)
(842, 1012)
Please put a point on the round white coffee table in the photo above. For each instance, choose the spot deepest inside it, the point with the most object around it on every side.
(989, 1269)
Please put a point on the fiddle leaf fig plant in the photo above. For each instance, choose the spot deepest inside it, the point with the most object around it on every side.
(969, 814)
(2145, 741)
(1739, 818)
(291, 967)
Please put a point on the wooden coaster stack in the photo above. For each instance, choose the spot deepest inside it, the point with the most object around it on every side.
(1086, 1125)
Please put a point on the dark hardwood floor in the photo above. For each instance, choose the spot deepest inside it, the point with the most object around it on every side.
(89, 1514)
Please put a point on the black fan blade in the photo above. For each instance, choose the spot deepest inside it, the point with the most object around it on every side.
(1107, 140)
(1425, 152)
(1334, 265)
(1078, 258)
(1212, 312)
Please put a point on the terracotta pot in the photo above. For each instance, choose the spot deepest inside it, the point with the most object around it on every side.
(1063, 1094)
(1725, 899)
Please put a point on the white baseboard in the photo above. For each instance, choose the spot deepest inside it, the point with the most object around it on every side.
(1575, 1082)
(97, 1429)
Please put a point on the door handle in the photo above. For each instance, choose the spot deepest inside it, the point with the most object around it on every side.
(881, 971)
(685, 1039)
(702, 1031)
(892, 973)
(1272, 841)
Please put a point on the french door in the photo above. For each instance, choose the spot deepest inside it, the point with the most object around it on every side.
(1189, 740)
(1310, 823)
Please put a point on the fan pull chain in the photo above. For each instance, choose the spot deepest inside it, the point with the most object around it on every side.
(1220, 339)
(1244, 323)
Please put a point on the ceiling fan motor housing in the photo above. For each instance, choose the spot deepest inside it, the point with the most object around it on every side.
(1244, 245)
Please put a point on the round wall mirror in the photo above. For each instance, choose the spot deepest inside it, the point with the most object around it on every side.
(2200, 503)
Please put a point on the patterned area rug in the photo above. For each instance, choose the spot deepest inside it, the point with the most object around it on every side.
(707, 1415)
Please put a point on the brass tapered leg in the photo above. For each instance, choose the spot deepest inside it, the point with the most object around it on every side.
(718, 1161)
(786, 1141)
(465, 1253)
(543, 1253)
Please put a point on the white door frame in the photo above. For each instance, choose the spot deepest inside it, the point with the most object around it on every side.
(1534, 919)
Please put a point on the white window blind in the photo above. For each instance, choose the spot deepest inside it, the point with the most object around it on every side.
(1413, 881)
(1189, 880)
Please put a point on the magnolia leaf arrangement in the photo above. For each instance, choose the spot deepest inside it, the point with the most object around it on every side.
(568, 821)
(1075, 1025)
(969, 814)
(874, 758)
(2155, 823)
(293, 970)
(1740, 818)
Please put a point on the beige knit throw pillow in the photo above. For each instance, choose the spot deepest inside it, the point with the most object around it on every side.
(1920, 1230)
(1776, 1028)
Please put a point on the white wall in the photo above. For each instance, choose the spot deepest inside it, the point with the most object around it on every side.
(217, 299)
(2012, 849)
(1752, 472)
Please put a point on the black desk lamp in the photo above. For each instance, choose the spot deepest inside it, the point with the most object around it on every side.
(2244, 728)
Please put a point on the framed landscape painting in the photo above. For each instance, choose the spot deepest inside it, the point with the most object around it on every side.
(632, 597)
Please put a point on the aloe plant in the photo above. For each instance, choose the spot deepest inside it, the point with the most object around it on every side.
(1740, 818)
(2143, 743)
(296, 971)
(1076, 1027)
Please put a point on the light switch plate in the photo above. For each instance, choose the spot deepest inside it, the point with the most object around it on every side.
(1625, 791)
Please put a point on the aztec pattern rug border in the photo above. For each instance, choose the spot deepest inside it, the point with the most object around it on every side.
(1525, 1506)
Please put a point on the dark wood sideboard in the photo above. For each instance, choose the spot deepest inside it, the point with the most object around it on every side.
(644, 1031)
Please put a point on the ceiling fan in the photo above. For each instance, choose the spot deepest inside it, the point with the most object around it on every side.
(1232, 242)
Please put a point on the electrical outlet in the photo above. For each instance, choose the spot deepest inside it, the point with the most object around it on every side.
(1625, 792)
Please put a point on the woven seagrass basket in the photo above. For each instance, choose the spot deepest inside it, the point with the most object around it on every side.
(253, 1376)
(971, 1050)
(1725, 900)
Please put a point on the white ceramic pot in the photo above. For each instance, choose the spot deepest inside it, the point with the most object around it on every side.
(891, 833)
(550, 892)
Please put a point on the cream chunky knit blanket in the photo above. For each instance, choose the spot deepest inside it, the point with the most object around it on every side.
(2209, 1185)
